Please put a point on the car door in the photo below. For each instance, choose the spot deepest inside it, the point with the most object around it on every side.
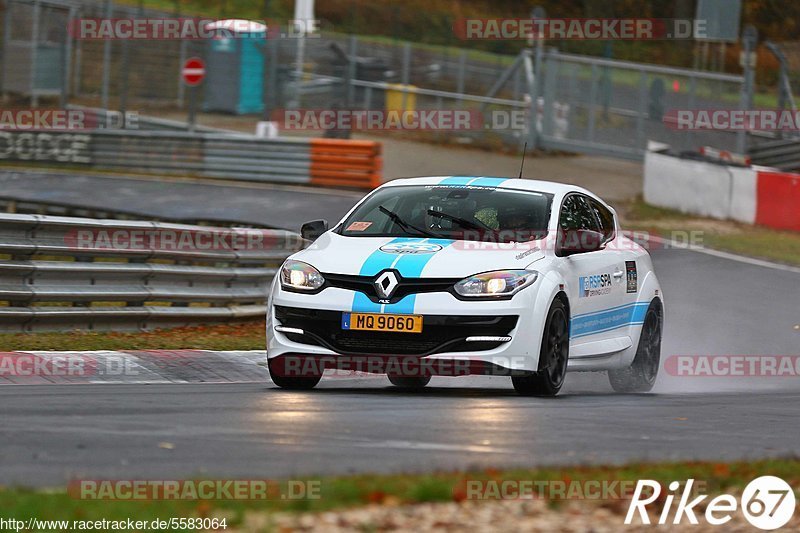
(627, 257)
(595, 279)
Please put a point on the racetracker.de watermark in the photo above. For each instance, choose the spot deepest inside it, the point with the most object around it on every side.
(401, 120)
(528, 242)
(579, 29)
(742, 366)
(39, 119)
(732, 119)
(181, 240)
(194, 489)
(63, 365)
(531, 489)
(188, 28)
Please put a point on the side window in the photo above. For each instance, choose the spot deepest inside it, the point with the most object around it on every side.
(576, 214)
(605, 217)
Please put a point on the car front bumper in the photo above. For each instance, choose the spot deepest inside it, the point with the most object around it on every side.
(478, 335)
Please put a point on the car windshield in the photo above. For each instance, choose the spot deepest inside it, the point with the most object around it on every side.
(451, 212)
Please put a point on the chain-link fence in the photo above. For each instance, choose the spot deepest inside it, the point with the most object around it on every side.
(611, 106)
(556, 100)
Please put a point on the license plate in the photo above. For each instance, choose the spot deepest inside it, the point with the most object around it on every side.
(381, 322)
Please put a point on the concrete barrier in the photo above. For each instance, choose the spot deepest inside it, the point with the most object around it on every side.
(753, 195)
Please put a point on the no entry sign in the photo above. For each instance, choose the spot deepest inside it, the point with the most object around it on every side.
(193, 71)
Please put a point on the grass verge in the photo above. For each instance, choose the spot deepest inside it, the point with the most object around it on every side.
(744, 239)
(241, 336)
(354, 491)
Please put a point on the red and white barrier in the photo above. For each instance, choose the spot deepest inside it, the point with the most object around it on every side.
(754, 195)
(778, 204)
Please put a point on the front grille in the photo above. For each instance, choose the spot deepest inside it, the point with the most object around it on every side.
(405, 286)
(440, 333)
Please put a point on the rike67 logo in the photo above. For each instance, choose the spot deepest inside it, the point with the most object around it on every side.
(767, 502)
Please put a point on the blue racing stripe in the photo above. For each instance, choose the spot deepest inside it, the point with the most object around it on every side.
(411, 266)
(362, 304)
(608, 319)
(457, 180)
(488, 182)
(408, 265)
(377, 261)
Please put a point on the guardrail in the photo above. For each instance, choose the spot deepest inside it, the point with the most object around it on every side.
(76, 273)
(14, 205)
(328, 162)
(783, 154)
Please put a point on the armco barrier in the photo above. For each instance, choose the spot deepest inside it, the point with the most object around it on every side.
(328, 162)
(752, 195)
(61, 273)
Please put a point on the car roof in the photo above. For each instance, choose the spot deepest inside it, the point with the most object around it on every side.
(557, 189)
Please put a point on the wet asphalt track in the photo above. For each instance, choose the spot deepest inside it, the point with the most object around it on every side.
(52, 433)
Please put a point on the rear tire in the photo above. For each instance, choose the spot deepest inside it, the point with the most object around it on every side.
(642, 374)
(553, 356)
(411, 383)
(291, 382)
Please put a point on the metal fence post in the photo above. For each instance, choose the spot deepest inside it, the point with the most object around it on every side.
(406, 71)
(6, 32)
(551, 69)
(641, 111)
(267, 93)
(76, 69)
(592, 98)
(462, 66)
(749, 38)
(67, 63)
(530, 81)
(352, 72)
(106, 61)
(34, 52)
(182, 56)
(688, 139)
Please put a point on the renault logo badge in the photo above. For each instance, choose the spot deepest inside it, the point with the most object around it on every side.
(385, 284)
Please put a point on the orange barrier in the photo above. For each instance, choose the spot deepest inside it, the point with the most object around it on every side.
(346, 163)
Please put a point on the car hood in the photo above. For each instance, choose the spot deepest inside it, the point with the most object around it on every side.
(415, 257)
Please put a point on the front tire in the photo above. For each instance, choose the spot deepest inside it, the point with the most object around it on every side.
(553, 356)
(410, 383)
(642, 374)
(290, 382)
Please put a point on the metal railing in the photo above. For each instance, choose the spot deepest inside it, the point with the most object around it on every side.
(76, 273)
(783, 154)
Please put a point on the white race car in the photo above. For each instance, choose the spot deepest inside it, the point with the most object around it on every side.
(468, 275)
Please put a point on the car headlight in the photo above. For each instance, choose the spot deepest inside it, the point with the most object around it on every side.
(498, 283)
(296, 275)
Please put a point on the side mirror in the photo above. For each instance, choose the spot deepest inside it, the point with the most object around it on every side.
(579, 241)
(312, 230)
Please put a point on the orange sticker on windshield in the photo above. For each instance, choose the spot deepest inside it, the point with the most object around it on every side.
(358, 226)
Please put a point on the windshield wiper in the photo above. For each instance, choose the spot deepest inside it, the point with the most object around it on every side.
(463, 222)
(405, 225)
